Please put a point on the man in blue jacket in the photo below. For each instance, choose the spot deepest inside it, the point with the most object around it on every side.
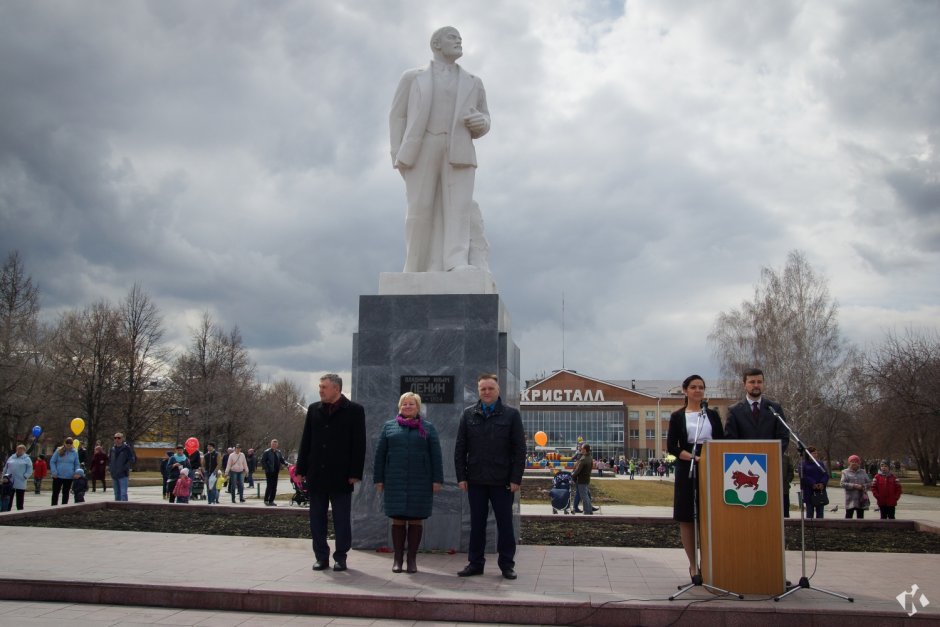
(490, 457)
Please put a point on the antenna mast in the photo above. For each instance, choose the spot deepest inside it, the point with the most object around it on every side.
(562, 330)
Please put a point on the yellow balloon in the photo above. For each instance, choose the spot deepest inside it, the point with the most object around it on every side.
(78, 425)
(76, 444)
(541, 439)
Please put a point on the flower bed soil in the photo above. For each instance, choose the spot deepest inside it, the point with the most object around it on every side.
(536, 530)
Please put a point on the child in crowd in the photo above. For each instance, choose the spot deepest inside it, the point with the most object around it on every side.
(79, 485)
(6, 493)
(183, 484)
(212, 491)
(40, 470)
(220, 482)
(887, 490)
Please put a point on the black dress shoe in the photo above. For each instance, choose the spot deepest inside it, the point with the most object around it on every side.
(576, 511)
(339, 566)
(509, 573)
(321, 564)
(470, 571)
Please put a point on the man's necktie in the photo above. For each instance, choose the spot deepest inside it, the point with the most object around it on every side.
(755, 410)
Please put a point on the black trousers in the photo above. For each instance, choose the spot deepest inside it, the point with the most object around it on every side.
(342, 523)
(63, 485)
(500, 497)
(270, 490)
(21, 495)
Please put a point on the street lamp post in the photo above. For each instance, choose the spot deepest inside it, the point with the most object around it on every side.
(179, 412)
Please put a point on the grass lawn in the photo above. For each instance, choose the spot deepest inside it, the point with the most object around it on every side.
(610, 492)
(633, 492)
(919, 489)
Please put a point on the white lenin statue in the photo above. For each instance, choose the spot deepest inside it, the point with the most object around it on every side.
(436, 114)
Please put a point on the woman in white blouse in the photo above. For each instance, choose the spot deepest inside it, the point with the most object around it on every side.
(689, 427)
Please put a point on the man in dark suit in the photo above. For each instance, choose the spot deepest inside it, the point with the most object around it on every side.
(752, 419)
(331, 458)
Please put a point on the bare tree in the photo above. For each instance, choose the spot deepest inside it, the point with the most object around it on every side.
(902, 376)
(790, 330)
(280, 416)
(240, 402)
(140, 359)
(84, 359)
(20, 353)
(215, 382)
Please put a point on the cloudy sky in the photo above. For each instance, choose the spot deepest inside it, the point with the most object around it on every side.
(646, 159)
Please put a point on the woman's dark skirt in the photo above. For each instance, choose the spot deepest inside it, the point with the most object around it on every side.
(683, 505)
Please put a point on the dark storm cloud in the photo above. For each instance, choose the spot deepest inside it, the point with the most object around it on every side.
(233, 158)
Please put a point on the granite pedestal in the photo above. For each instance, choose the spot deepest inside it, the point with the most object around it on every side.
(458, 335)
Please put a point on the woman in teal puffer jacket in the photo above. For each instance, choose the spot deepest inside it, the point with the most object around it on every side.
(408, 468)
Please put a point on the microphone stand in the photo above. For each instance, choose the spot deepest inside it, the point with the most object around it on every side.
(697, 578)
(804, 580)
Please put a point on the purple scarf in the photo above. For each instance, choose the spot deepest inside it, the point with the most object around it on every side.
(413, 423)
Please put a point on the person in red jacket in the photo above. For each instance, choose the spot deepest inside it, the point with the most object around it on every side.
(40, 470)
(887, 490)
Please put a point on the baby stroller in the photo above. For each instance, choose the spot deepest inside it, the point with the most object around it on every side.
(197, 490)
(301, 496)
(560, 493)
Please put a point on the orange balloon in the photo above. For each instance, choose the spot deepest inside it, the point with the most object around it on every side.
(541, 439)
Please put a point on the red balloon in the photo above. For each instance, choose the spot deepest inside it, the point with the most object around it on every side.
(192, 445)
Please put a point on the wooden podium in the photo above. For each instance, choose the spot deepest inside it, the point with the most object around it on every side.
(741, 516)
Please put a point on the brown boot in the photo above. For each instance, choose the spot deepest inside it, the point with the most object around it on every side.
(414, 541)
(398, 544)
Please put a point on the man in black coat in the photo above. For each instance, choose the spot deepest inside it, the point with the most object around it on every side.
(331, 458)
(752, 418)
(210, 459)
(271, 461)
(490, 457)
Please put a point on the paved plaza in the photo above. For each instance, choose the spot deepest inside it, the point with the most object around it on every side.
(121, 578)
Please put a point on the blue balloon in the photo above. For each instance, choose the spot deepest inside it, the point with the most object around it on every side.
(37, 431)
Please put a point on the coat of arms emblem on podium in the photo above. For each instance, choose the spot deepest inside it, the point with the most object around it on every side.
(745, 479)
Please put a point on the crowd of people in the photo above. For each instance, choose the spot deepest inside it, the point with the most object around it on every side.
(205, 474)
(183, 476)
(67, 466)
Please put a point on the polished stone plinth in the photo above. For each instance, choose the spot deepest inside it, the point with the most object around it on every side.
(458, 335)
(470, 281)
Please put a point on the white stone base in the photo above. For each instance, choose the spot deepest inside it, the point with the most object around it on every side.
(419, 283)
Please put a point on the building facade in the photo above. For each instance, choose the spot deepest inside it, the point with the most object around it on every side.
(629, 418)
